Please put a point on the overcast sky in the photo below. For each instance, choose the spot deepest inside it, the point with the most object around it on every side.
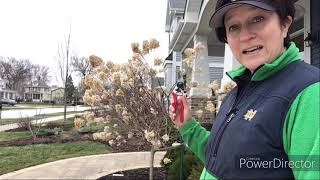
(32, 29)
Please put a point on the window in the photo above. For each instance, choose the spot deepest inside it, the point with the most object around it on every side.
(178, 73)
(299, 41)
(36, 96)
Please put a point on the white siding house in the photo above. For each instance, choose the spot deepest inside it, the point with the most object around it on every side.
(6, 93)
(37, 91)
(174, 22)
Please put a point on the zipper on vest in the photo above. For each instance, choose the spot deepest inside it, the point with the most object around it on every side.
(230, 116)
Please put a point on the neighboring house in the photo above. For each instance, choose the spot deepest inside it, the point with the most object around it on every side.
(37, 91)
(6, 93)
(57, 95)
(187, 23)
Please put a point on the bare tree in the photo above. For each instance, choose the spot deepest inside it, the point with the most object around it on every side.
(80, 65)
(63, 65)
(40, 73)
(61, 62)
(16, 72)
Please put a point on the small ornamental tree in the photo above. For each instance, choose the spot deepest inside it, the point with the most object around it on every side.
(125, 90)
(125, 94)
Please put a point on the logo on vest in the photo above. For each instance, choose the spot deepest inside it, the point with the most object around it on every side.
(250, 114)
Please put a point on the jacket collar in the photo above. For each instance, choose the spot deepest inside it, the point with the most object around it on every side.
(266, 70)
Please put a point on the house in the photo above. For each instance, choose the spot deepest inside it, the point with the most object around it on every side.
(181, 21)
(6, 93)
(37, 91)
(172, 64)
(57, 95)
(187, 23)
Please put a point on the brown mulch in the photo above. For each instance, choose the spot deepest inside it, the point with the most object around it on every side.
(137, 174)
(45, 140)
(132, 145)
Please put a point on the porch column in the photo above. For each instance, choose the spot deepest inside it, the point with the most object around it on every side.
(230, 63)
(198, 96)
(200, 69)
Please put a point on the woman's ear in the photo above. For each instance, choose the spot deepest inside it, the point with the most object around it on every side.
(285, 26)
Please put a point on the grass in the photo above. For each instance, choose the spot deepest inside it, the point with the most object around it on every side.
(14, 157)
(8, 136)
(60, 122)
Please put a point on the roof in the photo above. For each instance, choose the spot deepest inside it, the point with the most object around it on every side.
(39, 84)
(169, 58)
(174, 7)
(177, 4)
(56, 89)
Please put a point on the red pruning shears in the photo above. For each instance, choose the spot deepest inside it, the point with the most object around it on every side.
(175, 94)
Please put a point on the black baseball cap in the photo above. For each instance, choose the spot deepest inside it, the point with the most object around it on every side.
(223, 6)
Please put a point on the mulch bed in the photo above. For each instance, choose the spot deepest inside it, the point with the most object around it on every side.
(132, 145)
(137, 174)
(45, 140)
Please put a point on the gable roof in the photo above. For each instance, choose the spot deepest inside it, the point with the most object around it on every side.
(39, 84)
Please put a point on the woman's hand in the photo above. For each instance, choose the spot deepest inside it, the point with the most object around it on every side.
(175, 112)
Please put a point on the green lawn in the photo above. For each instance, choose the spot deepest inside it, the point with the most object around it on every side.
(60, 122)
(7, 136)
(14, 157)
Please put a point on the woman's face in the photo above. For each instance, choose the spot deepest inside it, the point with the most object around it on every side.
(254, 35)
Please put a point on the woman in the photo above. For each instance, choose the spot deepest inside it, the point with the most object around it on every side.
(272, 116)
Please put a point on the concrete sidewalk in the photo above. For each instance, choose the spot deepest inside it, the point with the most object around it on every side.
(87, 167)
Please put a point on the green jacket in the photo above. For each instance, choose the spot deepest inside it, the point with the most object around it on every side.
(301, 127)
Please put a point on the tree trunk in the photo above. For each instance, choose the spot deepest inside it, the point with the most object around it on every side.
(151, 163)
